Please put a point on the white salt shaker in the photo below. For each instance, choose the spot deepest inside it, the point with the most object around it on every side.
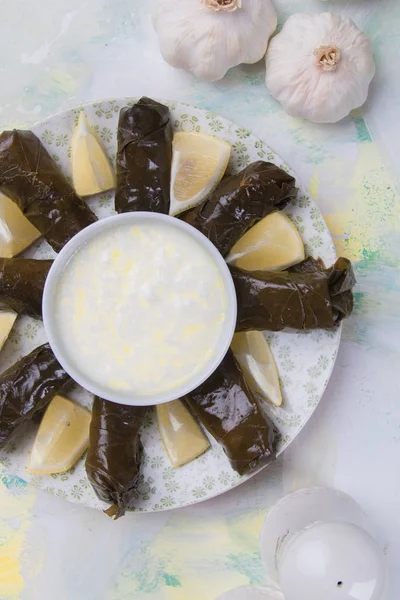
(316, 544)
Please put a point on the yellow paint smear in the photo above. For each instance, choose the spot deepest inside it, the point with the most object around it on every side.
(314, 186)
(207, 576)
(16, 507)
(11, 581)
(64, 81)
(217, 540)
(371, 212)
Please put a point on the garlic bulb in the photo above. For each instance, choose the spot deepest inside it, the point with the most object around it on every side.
(319, 67)
(208, 37)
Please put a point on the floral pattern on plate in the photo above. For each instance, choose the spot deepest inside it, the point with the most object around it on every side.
(304, 360)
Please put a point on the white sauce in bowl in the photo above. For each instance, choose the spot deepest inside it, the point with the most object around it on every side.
(140, 308)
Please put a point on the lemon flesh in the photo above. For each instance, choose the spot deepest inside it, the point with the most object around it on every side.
(62, 438)
(257, 362)
(182, 437)
(273, 244)
(7, 320)
(198, 164)
(16, 232)
(92, 172)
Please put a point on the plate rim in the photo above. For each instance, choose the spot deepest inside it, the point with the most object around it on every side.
(124, 100)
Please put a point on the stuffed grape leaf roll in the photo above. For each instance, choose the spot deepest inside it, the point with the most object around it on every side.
(308, 265)
(115, 453)
(144, 158)
(226, 407)
(240, 201)
(272, 300)
(28, 387)
(21, 284)
(31, 178)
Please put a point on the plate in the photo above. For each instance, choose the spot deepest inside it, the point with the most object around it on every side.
(305, 360)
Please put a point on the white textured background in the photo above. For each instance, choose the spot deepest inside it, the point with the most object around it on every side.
(58, 54)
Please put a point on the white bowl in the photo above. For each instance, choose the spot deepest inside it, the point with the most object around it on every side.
(126, 397)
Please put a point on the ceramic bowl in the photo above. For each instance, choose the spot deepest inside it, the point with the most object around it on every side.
(78, 374)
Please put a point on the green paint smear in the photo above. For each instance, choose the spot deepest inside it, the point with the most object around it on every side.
(171, 580)
(316, 154)
(153, 576)
(12, 482)
(360, 301)
(363, 134)
(377, 292)
(249, 565)
(375, 259)
(149, 579)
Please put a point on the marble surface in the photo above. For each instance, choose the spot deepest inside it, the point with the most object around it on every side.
(58, 54)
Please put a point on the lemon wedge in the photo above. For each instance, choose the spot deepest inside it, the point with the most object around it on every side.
(92, 172)
(273, 244)
(198, 164)
(257, 362)
(7, 320)
(182, 437)
(16, 232)
(62, 438)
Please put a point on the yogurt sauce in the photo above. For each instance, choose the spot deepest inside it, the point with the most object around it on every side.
(140, 308)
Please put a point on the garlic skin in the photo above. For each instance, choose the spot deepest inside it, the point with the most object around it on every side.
(319, 67)
(208, 37)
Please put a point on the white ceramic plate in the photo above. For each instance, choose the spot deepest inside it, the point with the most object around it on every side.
(305, 360)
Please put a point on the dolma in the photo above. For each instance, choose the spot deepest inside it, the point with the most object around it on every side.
(308, 265)
(28, 387)
(144, 158)
(241, 201)
(30, 177)
(228, 410)
(115, 453)
(21, 284)
(272, 300)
